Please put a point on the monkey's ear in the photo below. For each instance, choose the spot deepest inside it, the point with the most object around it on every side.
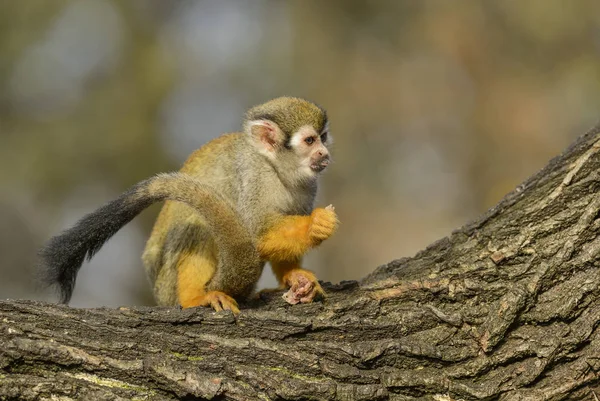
(266, 133)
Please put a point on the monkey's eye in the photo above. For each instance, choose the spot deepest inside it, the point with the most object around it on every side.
(324, 137)
(310, 140)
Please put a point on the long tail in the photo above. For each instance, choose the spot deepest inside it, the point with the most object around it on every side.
(63, 255)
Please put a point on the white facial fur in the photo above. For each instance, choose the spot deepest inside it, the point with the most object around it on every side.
(309, 153)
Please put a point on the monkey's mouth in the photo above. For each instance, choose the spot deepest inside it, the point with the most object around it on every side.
(319, 165)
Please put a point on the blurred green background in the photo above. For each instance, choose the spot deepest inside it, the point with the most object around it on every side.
(438, 108)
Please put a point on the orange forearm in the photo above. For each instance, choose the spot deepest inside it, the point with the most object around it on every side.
(290, 237)
(287, 240)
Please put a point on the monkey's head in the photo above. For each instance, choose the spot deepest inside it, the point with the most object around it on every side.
(293, 134)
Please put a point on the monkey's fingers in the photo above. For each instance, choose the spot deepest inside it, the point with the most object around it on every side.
(291, 297)
(300, 283)
(216, 305)
(317, 292)
(304, 287)
(323, 224)
(220, 301)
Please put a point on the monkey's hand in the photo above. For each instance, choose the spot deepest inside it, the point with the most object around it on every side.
(323, 223)
(304, 287)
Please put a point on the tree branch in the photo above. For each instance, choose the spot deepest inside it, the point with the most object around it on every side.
(507, 307)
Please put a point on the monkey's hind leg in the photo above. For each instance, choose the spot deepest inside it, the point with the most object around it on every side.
(193, 273)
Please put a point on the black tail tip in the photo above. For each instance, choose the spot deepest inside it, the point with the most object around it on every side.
(55, 276)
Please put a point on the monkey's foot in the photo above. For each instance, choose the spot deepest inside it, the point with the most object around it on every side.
(323, 223)
(304, 287)
(218, 301)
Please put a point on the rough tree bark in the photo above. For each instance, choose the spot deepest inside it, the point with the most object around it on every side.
(507, 307)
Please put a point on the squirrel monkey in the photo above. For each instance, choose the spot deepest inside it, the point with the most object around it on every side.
(239, 201)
